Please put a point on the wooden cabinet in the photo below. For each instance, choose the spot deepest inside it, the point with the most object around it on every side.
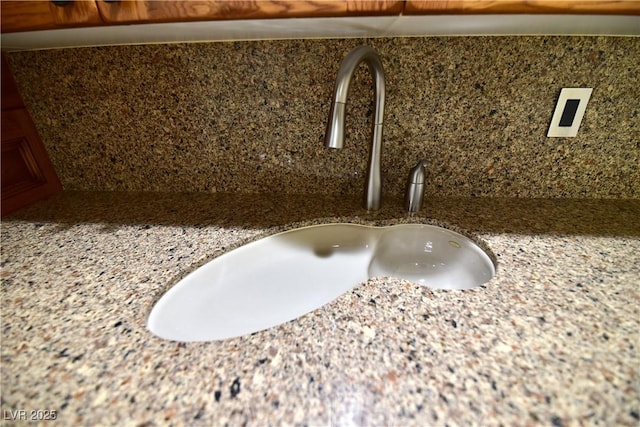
(194, 10)
(27, 172)
(44, 15)
(453, 7)
(47, 15)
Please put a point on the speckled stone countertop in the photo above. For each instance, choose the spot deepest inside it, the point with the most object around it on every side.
(551, 340)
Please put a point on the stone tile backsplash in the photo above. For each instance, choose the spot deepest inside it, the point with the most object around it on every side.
(250, 116)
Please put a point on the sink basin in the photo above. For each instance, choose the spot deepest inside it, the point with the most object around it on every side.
(284, 276)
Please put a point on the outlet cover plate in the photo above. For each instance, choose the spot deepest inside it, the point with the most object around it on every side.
(569, 97)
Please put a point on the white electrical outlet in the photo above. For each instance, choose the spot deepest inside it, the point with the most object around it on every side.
(572, 103)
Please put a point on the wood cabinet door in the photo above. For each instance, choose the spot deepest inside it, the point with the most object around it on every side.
(46, 15)
(202, 10)
(604, 7)
(27, 172)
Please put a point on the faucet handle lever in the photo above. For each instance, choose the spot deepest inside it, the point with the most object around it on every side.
(415, 187)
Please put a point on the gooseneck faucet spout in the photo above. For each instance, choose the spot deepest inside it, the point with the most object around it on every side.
(334, 137)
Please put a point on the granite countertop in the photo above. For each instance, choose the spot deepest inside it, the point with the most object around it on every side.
(552, 339)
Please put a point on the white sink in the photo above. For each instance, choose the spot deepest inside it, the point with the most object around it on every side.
(284, 276)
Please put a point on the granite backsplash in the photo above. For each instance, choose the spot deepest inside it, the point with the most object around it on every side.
(250, 116)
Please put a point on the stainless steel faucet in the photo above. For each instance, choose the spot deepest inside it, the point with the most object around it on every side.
(334, 137)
